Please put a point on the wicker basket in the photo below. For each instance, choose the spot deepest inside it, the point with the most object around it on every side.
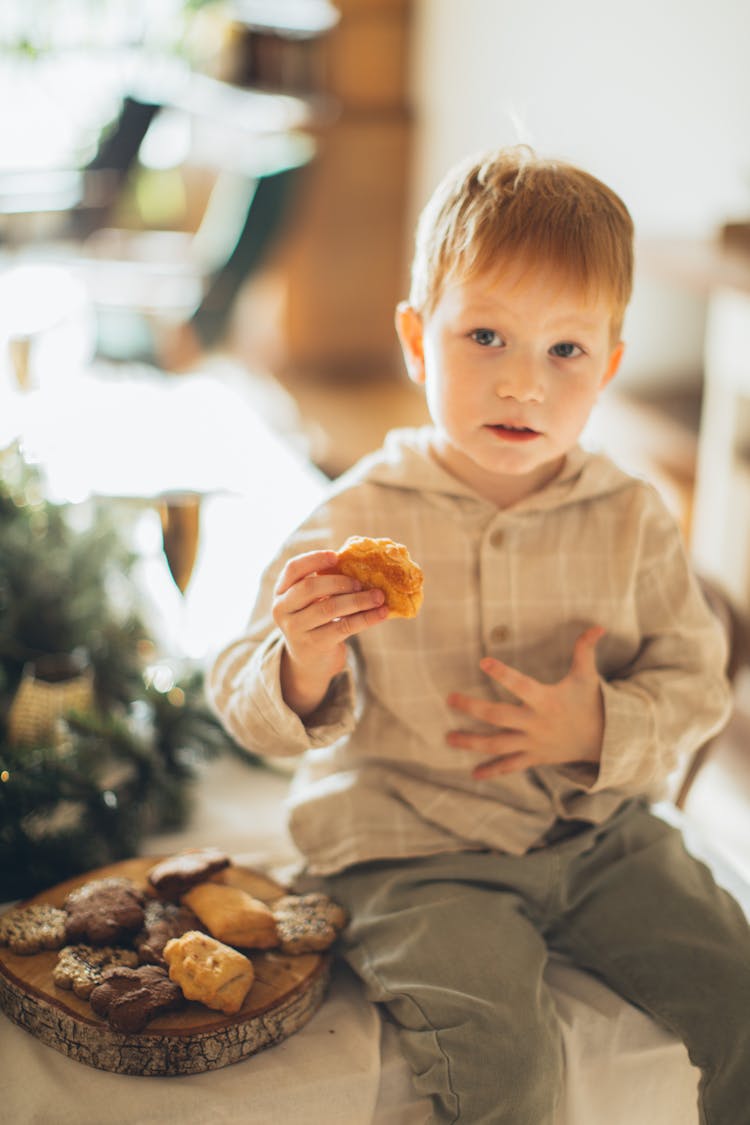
(49, 688)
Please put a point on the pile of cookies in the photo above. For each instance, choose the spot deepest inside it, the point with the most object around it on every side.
(134, 952)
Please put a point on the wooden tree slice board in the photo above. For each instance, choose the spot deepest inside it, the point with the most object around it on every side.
(286, 992)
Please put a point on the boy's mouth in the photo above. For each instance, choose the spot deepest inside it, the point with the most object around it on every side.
(514, 433)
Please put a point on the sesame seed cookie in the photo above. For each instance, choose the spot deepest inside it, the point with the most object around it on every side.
(80, 967)
(29, 929)
(308, 923)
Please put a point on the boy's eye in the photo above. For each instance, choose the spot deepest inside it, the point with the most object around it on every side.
(486, 337)
(566, 350)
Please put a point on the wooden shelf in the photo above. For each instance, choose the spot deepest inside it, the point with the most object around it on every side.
(343, 266)
(702, 265)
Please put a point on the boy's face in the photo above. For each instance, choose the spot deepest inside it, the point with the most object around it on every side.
(512, 363)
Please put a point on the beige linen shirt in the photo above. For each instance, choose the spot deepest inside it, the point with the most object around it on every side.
(594, 547)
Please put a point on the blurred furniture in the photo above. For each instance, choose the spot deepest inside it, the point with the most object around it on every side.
(720, 524)
(269, 204)
(709, 436)
(737, 631)
(111, 165)
(721, 535)
(334, 279)
(346, 267)
(141, 281)
(238, 153)
(277, 44)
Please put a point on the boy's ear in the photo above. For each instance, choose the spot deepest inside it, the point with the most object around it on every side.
(612, 367)
(410, 333)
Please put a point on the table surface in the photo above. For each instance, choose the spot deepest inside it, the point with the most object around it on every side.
(136, 436)
(344, 1066)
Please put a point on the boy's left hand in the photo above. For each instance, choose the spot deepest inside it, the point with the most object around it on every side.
(551, 724)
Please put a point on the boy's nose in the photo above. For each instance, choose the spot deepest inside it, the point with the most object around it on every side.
(520, 380)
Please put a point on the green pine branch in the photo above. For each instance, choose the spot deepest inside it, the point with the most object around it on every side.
(111, 775)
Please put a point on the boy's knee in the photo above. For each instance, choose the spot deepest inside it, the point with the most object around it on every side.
(532, 1076)
(490, 1075)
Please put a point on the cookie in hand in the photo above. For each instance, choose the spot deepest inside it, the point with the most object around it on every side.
(386, 565)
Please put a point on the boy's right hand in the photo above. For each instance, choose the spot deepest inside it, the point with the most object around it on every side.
(317, 611)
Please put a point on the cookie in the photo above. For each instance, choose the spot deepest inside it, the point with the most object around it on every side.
(129, 998)
(172, 877)
(80, 967)
(209, 971)
(162, 921)
(29, 929)
(233, 916)
(104, 912)
(386, 565)
(308, 923)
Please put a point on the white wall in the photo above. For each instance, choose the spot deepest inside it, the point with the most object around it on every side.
(653, 96)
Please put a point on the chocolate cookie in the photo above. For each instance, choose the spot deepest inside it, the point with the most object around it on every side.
(129, 998)
(80, 967)
(104, 912)
(172, 877)
(307, 923)
(29, 929)
(163, 921)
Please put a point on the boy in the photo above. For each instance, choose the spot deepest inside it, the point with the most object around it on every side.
(475, 781)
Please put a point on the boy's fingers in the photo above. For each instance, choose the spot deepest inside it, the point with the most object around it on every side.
(340, 628)
(523, 687)
(506, 715)
(584, 652)
(500, 744)
(315, 588)
(499, 766)
(313, 615)
(301, 565)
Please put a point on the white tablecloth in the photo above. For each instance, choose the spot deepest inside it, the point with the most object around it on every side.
(344, 1066)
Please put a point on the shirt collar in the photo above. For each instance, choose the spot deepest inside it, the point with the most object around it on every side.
(405, 461)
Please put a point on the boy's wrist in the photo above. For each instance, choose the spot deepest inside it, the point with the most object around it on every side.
(302, 691)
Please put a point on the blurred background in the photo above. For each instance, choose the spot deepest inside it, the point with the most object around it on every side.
(233, 184)
(206, 220)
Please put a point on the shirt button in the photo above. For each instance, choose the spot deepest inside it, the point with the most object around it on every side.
(499, 634)
(497, 538)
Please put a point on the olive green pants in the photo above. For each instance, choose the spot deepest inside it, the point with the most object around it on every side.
(455, 946)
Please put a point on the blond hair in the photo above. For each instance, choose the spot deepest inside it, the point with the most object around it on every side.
(509, 203)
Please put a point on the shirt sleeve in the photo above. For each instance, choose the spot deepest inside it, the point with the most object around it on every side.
(674, 695)
(244, 684)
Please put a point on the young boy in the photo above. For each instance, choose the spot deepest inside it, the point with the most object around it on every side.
(475, 781)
